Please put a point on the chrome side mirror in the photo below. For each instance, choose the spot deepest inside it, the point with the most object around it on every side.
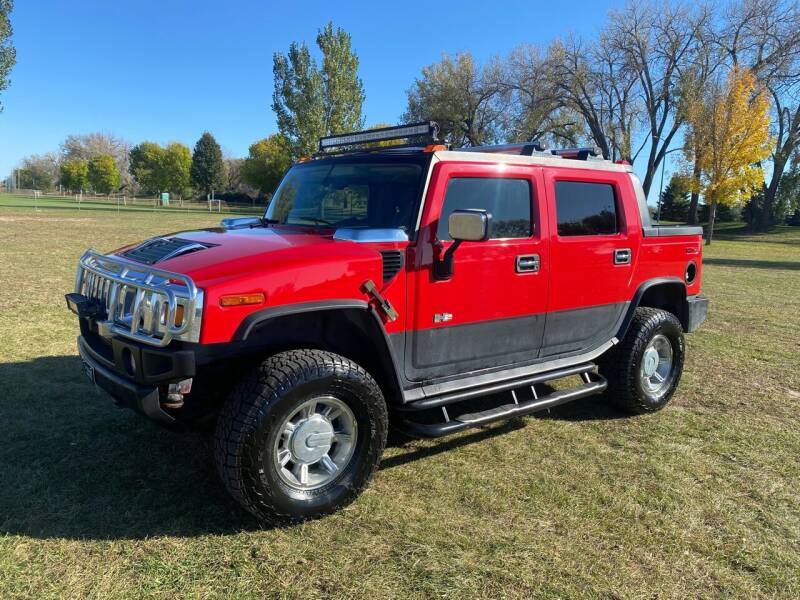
(470, 225)
(240, 222)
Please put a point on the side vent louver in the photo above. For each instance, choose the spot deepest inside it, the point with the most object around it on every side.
(392, 263)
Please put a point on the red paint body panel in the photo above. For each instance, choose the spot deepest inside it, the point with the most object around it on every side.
(582, 269)
(293, 265)
(485, 285)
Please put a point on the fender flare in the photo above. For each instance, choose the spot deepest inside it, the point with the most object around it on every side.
(259, 317)
(640, 292)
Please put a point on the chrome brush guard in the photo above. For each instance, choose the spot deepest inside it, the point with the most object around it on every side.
(142, 303)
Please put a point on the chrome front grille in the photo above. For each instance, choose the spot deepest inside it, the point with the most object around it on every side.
(142, 303)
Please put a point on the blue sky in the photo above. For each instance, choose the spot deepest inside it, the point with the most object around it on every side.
(172, 69)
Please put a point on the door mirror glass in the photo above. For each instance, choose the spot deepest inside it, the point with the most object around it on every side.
(470, 225)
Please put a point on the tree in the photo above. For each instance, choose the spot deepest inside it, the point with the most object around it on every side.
(74, 174)
(207, 171)
(731, 129)
(91, 145)
(147, 166)
(764, 37)
(789, 190)
(8, 55)
(536, 111)
(158, 169)
(674, 201)
(176, 168)
(266, 162)
(38, 172)
(311, 102)
(595, 83)
(103, 174)
(658, 43)
(463, 98)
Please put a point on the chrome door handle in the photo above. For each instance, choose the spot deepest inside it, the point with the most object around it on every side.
(527, 263)
(622, 256)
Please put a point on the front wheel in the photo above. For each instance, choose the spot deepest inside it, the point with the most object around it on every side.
(300, 436)
(643, 371)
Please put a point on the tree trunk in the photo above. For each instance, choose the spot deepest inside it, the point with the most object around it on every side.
(712, 215)
(691, 218)
(770, 191)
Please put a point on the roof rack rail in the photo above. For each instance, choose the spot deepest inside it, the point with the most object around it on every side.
(426, 132)
(537, 149)
(585, 153)
(522, 148)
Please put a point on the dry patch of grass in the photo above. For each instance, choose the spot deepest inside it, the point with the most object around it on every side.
(698, 500)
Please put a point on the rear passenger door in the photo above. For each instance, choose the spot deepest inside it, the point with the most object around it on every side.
(491, 312)
(591, 258)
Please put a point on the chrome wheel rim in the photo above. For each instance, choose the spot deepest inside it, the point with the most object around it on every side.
(656, 364)
(315, 443)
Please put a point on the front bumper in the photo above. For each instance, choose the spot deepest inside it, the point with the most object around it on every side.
(697, 309)
(145, 399)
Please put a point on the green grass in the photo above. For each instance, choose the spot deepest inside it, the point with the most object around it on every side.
(700, 500)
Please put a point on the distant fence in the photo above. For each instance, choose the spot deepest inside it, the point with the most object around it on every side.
(140, 202)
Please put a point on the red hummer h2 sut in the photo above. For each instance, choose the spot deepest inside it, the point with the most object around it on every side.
(392, 285)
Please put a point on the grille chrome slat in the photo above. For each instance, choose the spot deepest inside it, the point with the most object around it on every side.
(141, 301)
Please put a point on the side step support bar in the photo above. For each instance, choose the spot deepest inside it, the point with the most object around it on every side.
(595, 385)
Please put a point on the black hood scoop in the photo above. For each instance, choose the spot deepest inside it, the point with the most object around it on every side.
(161, 249)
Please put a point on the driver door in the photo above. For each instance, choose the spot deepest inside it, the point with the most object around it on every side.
(491, 312)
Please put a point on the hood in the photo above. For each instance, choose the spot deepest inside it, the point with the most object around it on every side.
(213, 255)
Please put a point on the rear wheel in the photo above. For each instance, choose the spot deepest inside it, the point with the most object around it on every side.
(643, 371)
(300, 436)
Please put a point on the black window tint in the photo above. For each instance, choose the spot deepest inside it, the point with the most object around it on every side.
(585, 208)
(345, 194)
(508, 201)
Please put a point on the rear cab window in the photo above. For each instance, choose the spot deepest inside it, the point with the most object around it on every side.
(586, 208)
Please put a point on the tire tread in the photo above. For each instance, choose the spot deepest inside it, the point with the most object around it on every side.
(249, 404)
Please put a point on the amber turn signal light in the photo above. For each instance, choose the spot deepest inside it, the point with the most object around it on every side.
(241, 299)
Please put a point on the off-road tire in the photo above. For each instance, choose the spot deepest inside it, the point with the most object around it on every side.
(621, 365)
(245, 433)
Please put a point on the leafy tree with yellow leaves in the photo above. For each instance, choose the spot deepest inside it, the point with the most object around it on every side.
(729, 131)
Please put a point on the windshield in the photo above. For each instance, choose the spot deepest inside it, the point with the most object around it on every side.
(349, 194)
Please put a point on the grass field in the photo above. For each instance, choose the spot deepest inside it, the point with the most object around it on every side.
(700, 500)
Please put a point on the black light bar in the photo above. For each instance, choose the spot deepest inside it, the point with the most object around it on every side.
(429, 130)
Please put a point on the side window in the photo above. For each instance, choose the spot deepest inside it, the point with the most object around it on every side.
(585, 208)
(508, 201)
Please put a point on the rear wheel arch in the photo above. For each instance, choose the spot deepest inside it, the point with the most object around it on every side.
(349, 328)
(664, 293)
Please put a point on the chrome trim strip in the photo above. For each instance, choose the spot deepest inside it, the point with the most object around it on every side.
(141, 301)
(183, 250)
(370, 235)
(492, 159)
(434, 160)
